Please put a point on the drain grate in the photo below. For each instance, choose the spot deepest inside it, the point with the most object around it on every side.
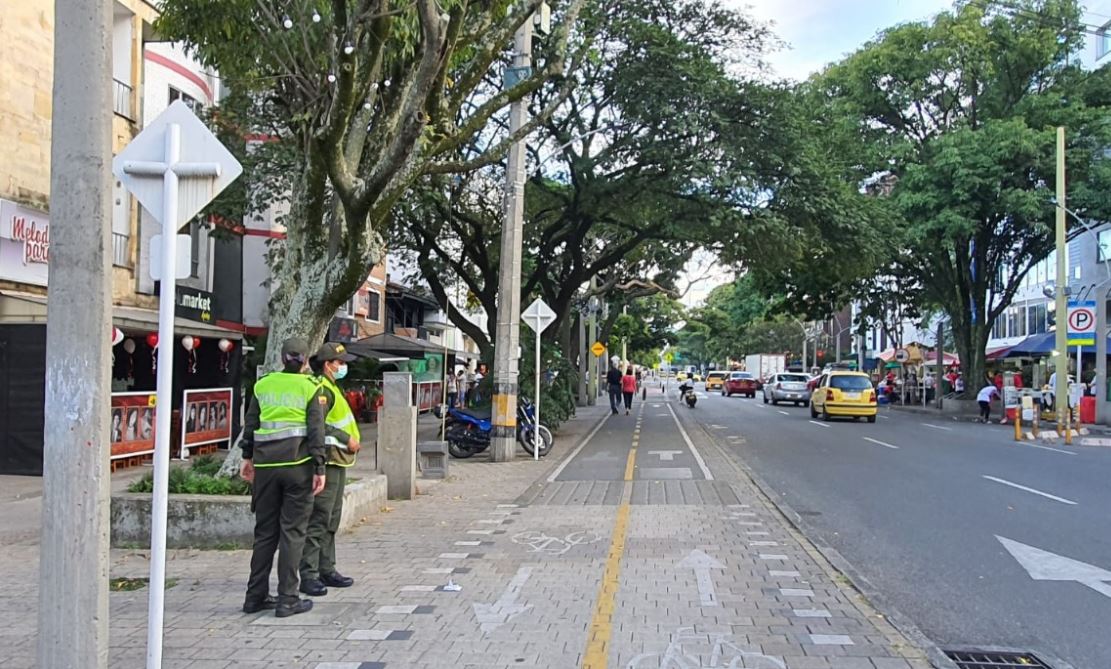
(974, 659)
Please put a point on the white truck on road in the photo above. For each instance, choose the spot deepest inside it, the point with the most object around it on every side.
(763, 365)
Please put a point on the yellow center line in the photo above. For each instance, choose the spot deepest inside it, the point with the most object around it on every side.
(601, 624)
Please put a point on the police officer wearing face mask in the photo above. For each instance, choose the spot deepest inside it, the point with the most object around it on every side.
(318, 562)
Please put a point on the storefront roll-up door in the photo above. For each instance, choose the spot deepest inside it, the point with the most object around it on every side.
(22, 394)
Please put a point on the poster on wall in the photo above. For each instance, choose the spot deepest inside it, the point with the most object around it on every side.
(132, 429)
(428, 395)
(205, 418)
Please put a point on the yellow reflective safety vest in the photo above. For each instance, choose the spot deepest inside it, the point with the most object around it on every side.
(339, 419)
(283, 399)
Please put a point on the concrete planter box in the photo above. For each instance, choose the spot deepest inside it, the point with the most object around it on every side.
(222, 521)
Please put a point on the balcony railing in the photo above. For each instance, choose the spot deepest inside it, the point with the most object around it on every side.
(122, 100)
(121, 250)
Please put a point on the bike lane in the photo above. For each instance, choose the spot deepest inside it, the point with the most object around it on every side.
(703, 572)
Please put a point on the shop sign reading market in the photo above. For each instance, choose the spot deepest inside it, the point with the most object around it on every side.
(24, 244)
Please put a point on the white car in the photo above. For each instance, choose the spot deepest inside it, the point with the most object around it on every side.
(787, 387)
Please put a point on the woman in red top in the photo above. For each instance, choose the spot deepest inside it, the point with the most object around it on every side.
(628, 388)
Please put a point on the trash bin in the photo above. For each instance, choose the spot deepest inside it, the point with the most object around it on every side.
(1088, 409)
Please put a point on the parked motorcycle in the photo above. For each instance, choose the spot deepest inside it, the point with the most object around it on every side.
(469, 430)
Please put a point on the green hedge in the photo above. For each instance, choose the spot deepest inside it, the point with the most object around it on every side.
(199, 478)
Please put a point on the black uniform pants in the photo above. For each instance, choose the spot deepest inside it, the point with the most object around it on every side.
(282, 500)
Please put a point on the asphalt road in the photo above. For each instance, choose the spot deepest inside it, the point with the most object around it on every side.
(908, 502)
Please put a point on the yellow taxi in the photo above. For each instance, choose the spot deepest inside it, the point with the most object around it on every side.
(715, 380)
(843, 393)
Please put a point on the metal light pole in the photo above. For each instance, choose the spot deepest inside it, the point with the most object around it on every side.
(1062, 355)
(584, 362)
(503, 445)
(73, 573)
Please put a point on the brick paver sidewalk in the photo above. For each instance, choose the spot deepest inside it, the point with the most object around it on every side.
(552, 575)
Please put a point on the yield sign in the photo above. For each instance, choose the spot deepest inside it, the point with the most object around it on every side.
(176, 142)
(538, 315)
(1045, 566)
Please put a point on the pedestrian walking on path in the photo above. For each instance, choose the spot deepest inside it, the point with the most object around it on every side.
(985, 396)
(341, 436)
(628, 388)
(283, 456)
(613, 383)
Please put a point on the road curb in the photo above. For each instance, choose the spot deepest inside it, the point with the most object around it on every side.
(834, 564)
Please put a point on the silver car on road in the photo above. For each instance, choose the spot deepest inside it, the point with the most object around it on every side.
(786, 387)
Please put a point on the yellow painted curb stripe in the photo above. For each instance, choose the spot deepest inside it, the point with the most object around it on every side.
(601, 625)
(630, 462)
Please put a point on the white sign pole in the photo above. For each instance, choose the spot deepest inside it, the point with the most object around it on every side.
(536, 430)
(163, 390)
(169, 170)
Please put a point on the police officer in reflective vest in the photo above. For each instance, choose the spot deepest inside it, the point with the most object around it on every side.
(283, 455)
(318, 564)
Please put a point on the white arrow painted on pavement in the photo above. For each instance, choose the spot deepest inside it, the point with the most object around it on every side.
(702, 563)
(493, 616)
(1045, 566)
(665, 455)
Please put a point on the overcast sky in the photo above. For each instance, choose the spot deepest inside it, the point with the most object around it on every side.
(818, 32)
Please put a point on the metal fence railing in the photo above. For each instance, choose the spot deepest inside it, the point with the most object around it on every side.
(121, 250)
(122, 100)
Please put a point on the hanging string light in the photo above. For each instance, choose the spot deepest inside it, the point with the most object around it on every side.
(287, 22)
(315, 16)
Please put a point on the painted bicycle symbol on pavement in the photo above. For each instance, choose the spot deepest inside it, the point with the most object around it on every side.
(540, 542)
(723, 654)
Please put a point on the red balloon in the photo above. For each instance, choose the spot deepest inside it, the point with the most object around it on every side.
(152, 340)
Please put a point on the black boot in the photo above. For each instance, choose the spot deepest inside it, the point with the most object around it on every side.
(286, 609)
(337, 580)
(254, 606)
(313, 587)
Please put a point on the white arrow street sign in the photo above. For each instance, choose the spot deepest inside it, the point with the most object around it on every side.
(492, 616)
(538, 315)
(665, 455)
(1045, 566)
(174, 167)
(702, 563)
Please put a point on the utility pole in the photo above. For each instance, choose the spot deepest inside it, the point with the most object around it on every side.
(584, 362)
(624, 341)
(73, 573)
(1062, 352)
(592, 328)
(503, 446)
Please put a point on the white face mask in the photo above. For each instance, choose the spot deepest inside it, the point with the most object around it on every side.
(341, 371)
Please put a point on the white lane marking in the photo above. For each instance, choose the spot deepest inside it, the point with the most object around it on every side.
(468, 543)
(1032, 490)
(453, 556)
(938, 427)
(761, 406)
(1056, 450)
(757, 533)
(876, 441)
(508, 506)
(885, 417)
(763, 543)
(505, 608)
(820, 424)
(563, 465)
(665, 455)
(784, 413)
(694, 451)
(480, 531)
(702, 563)
(1045, 566)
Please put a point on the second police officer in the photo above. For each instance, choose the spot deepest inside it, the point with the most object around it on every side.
(318, 564)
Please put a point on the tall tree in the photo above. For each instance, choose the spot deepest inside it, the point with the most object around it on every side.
(360, 98)
(627, 174)
(959, 114)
